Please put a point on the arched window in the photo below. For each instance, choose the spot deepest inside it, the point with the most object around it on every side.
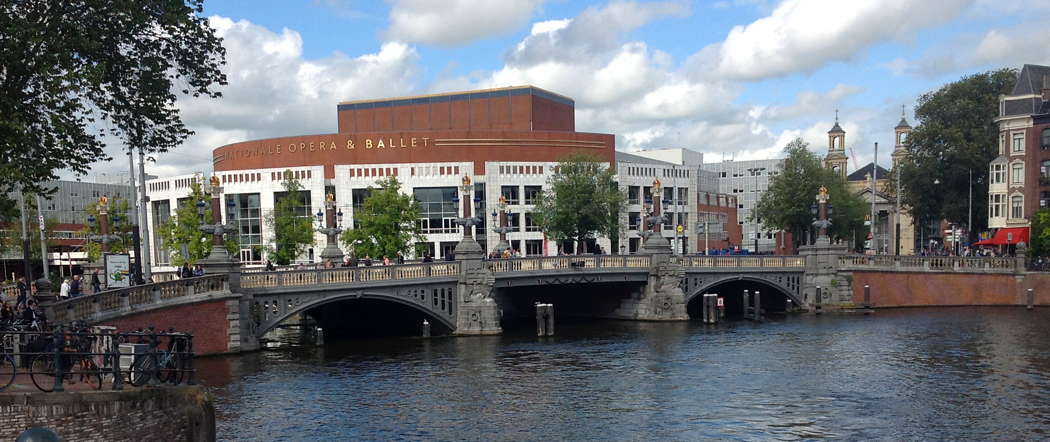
(1044, 140)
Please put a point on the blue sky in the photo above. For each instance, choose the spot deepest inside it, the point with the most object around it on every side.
(732, 78)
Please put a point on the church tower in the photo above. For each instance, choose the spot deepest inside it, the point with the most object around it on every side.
(836, 159)
(901, 132)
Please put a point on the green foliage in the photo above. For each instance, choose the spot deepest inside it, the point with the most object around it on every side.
(786, 205)
(11, 233)
(956, 134)
(386, 223)
(293, 232)
(184, 228)
(118, 208)
(77, 71)
(1040, 234)
(581, 199)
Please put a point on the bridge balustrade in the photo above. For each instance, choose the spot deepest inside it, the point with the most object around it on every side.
(568, 262)
(939, 263)
(344, 275)
(84, 307)
(742, 261)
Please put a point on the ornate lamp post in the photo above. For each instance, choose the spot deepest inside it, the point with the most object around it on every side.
(330, 224)
(500, 220)
(217, 229)
(468, 248)
(654, 241)
(103, 238)
(822, 210)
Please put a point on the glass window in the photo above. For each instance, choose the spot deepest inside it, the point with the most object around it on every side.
(1017, 173)
(161, 213)
(511, 194)
(437, 211)
(530, 223)
(1044, 140)
(1017, 207)
(633, 220)
(997, 174)
(301, 209)
(633, 194)
(1044, 173)
(249, 225)
(1018, 143)
(514, 221)
(533, 247)
(532, 193)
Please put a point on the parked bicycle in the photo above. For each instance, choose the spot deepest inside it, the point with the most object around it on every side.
(76, 361)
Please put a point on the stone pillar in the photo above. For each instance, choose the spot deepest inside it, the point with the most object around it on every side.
(662, 298)
(476, 310)
(331, 251)
(822, 269)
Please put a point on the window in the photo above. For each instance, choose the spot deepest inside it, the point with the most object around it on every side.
(437, 211)
(996, 205)
(1044, 173)
(633, 220)
(683, 196)
(511, 194)
(1018, 143)
(1017, 173)
(1017, 207)
(514, 221)
(249, 225)
(1044, 139)
(532, 193)
(1002, 144)
(998, 172)
(632, 194)
(1044, 200)
(901, 137)
(530, 223)
(303, 206)
(533, 247)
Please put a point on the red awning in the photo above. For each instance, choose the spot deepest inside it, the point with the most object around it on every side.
(1006, 236)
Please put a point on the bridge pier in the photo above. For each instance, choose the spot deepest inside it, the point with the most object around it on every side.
(822, 270)
(477, 312)
(662, 298)
(240, 328)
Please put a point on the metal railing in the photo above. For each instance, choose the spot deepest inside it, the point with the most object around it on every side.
(568, 262)
(344, 275)
(85, 307)
(940, 263)
(743, 261)
(91, 358)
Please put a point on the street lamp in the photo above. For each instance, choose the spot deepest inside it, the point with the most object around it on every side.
(329, 223)
(217, 229)
(500, 219)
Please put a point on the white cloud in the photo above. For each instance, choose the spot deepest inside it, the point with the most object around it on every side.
(996, 47)
(803, 35)
(456, 22)
(807, 103)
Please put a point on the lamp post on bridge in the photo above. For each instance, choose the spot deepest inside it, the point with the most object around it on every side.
(468, 247)
(103, 238)
(654, 241)
(219, 254)
(330, 224)
(822, 210)
(500, 220)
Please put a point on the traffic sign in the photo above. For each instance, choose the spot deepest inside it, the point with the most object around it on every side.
(681, 228)
(721, 302)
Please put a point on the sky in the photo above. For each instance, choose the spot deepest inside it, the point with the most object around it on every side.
(734, 79)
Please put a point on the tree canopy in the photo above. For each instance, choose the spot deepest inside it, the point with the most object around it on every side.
(786, 204)
(183, 228)
(386, 223)
(291, 223)
(75, 71)
(956, 134)
(581, 199)
(1040, 234)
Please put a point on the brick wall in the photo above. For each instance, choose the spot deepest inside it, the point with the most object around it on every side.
(913, 289)
(168, 414)
(205, 320)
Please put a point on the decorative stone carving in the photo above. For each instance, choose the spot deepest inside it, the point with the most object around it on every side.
(479, 283)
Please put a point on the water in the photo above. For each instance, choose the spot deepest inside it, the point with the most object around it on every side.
(964, 373)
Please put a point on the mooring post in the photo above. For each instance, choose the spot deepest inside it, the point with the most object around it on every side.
(541, 324)
(758, 306)
(426, 329)
(319, 338)
(747, 303)
(1031, 299)
(712, 307)
(550, 319)
(817, 301)
(721, 306)
(704, 306)
(867, 296)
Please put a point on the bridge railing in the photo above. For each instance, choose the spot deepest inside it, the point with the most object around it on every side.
(85, 307)
(742, 261)
(345, 275)
(568, 262)
(936, 263)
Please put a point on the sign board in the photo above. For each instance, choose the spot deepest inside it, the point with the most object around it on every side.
(118, 270)
(721, 302)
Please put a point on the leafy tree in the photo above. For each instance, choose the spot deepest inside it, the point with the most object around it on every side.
(184, 228)
(386, 223)
(1040, 234)
(786, 205)
(76, 71)
(118, 226)
(292, 226)
(581, 199)
(956, 134)
(11, 232)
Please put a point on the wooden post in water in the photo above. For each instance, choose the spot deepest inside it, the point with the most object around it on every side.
(544, 319)
(710, 308)
(1030, 302)
(747, 303)
(721, 307)
(817, 301)
(550, 319)
(426, 329)
(867, 296)
(758, 306)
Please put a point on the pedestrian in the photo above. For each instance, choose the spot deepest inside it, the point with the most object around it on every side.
(386, 260)
(74, 287)
(20, 301)
(269, 266)
(7, 314)
(427, 257)
(185, 271)
(96, 283)
(353, 260)
(198, 270)
(346, 261)
(63, 292)
(400, 257)
(368, 260)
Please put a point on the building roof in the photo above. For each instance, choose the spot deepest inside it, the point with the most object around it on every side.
(1030, 80)
(903, 124)
(836, 129)
(631, 158)
(453, 96)
(864, 173)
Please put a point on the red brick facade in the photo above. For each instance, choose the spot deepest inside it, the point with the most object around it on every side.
(205, 320)
(916, 289)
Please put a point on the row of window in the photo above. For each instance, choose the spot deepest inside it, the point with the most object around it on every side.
(1017, 142)
(521, 170)
(633, 193)
(653, 171)
(998, 173)
(425, 171)
(997, 206)
(383, 171)
(246, 177)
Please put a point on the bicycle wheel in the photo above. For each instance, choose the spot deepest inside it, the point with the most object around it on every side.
(91, 374)
(141, 371)
(7, 372)
(42, 372)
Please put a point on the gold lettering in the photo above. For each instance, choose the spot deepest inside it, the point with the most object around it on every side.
(349, 144)
(311, 146)
(413, 141)
(291, 147)
(402, 142)
(425, 141)
(278, 148)
(302, 147)
(380, 145)
(321, 145)
(390, 142)
(368, 143)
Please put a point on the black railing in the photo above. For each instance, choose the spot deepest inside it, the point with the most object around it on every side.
(92, 358)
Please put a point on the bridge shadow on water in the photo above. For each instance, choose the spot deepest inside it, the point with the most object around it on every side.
(357, 318)
(773, 300)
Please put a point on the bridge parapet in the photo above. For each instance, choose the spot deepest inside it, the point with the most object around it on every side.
(960, 264)
(742, 261)
(116, 302)
(344, 275)
(569, 262)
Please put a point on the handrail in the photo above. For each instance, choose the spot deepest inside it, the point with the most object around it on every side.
(84, 307)
(998, 264)
(344, 275)
(568, 262)
(736, 261)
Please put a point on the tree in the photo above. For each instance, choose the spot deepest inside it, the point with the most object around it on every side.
(118, 226)
(581, 199)
(11, 228)
(1040, 234)
(183, 228)
(73, 72)
(291, 223)
(786, 205)
(386, 223)
(956, 134)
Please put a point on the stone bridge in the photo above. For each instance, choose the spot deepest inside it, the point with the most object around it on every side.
(230, 310)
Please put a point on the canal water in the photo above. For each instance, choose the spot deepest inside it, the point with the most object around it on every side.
(955, 374)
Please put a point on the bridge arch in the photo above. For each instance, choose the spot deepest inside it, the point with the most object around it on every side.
(708, 286)
(266, 322)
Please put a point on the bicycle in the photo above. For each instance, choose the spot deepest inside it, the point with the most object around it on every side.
(171, 362)
(8, 370)
(42, 369)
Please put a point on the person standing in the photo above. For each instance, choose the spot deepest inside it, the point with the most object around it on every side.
(74, 287)
(63, 292)
(20, 301)
(96, 282)
(400, 257)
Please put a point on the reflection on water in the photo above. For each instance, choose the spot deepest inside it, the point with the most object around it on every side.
(980, 373)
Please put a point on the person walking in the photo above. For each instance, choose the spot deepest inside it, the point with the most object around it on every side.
(386, 260)
(96, 283)
(63, 291)
(269, 266)
(20, 301)
(400, 257)
(74, 287)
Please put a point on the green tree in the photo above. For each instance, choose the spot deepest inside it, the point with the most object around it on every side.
(11, 230)
(78, 71)
(119, 225)
(786, 205)
(386, 223)
(291, 223)
(581, 199)
(1040, 234)
(956, 134)
(183, 228)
